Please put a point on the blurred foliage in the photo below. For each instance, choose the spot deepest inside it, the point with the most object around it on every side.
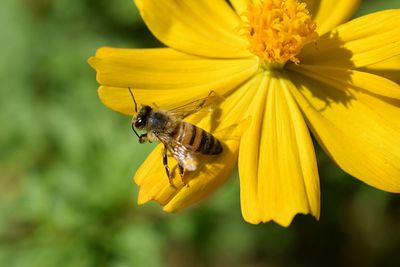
(66, 162)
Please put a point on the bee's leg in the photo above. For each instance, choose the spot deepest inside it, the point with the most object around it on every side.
(182, 173)
(202, 104)
(165, 162)
(143, 138)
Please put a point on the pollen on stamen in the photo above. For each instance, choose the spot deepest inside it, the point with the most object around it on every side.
(277, 30)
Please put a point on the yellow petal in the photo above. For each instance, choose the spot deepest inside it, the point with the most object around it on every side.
(360, 42)
(389, 69)
(359, 131)
(240, 6)
(277, 164)
(330, 13)
(164, 76)
(249, 151)
(212, 171)
(120, 100)
(344, 78)
(142, 53)
(163, 68)
(206, 28)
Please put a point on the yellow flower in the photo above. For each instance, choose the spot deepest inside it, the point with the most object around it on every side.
(283, 68)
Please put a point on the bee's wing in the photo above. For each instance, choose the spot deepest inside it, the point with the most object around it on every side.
(209, 102)
(184, 156)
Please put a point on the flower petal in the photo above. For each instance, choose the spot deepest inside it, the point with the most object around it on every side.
(331, 13)
(277, 165)
(248, 154)
(389, 69)
(170, 77)
(206, 28)
(344, 78)
(163, 68)
(360, 132)
(212, 171)
(240, 6)
(360, 42)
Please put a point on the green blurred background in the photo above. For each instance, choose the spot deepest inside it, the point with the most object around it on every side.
(66, 162)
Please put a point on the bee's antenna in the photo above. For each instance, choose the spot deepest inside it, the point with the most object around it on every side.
(133, 126)
(130, 91)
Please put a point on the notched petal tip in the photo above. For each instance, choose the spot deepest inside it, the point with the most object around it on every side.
(92, 61)
(288, 221)
(281, 221)
(100, 52)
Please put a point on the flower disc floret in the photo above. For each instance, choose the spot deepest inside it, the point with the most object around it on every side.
(277, 30)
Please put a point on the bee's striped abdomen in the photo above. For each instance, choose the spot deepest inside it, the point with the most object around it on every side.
(209, 145)
(197, 139)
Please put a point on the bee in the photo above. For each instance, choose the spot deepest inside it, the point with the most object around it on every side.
(182, 139)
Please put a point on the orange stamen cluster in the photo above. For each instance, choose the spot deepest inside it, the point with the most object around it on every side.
(278, 29)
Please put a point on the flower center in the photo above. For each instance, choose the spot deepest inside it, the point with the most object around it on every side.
(277, 30)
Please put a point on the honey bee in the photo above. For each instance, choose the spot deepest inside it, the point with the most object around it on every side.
(182, 139)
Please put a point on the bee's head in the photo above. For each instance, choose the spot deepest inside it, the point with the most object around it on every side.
(141, 119)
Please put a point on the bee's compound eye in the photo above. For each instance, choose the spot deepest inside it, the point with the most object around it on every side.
(139, 123)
